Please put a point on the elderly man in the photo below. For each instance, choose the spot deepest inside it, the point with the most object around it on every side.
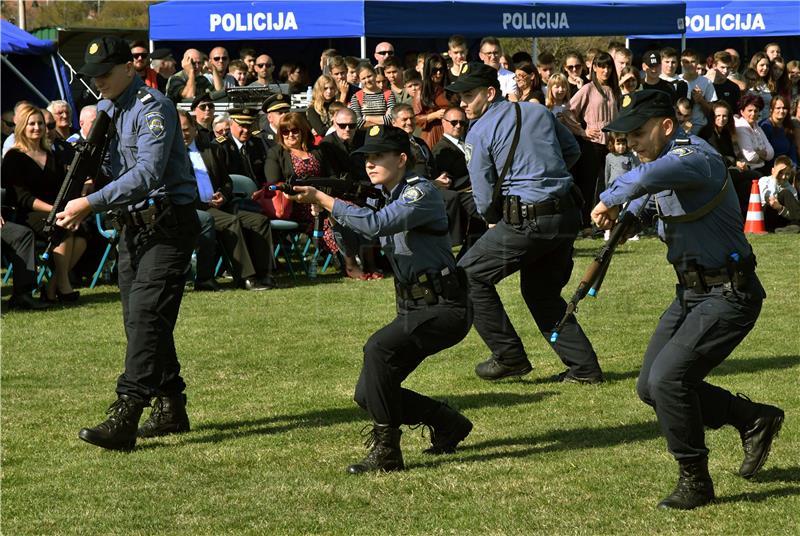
(62, 114)
(244, 154)
(141, 64)
(187, 84)
(274, 107)
(86, 120)
(382, 51)
(163, 63)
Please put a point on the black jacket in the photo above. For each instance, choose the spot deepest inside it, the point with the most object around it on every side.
(450, 159)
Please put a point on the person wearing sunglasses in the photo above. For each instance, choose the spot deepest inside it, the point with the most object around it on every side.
(203, 109)
(264, 68)
(141, 64)
(383, 51)
(187, 84)
(245, 152)
(574, 69)
(218, 61)
(529, 84)
(429, 108)
(7, 126)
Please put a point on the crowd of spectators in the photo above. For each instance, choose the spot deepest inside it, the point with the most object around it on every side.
(749, 115)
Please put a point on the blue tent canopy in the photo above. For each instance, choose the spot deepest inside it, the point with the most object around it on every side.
(508, 18)
(709, 19)
(198, 20)
(16, 41)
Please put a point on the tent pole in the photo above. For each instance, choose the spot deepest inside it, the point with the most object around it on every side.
(38, 93)
(58, 78)
(363, 46)
(151, 45)
(81, 80)
(683, 42)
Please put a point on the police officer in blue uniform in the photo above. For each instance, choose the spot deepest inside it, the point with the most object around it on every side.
(153, 198)
(432, 312)
(718, 293)
(518, 156)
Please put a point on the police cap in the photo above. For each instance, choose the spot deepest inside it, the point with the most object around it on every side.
(475, 74)
(380, 139)
(243, 116)
(160, 54)
(103, 53)
(276, 103)
(639, 107)
(204, 97)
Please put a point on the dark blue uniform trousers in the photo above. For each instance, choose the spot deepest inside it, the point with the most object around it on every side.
(153, 266)
(695, 334)
(541, 250)
(395, 350)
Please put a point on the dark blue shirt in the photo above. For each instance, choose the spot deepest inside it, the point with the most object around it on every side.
(147, 155)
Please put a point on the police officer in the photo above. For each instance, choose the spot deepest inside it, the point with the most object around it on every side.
(153, 196)
(244, 153)
(718, 294)
(274, 107)
(518, 156)
(432, 311)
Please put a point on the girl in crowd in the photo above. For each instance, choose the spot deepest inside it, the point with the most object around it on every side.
(529, 84)
(430, 107)
(619, 160)
(295, 75)
(574, 69)
(761, 65)
(325, 92)
(557, 98)
(628, 80)
(755, 146)
(371, 105)
(779, 79)
(778, 128)
(30, 167)
(380, 79)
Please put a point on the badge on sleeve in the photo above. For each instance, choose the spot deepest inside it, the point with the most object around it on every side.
(155, 122)
(682, 151)
(412, 194)
(467, 152)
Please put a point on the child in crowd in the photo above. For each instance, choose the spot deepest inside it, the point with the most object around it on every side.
(557, 93)
(628, 80)
(683, 112)
(779, 197)
(619, 160)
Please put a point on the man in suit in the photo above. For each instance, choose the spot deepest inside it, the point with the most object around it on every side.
(245, 236)
(403, 118)
(339, 144)
(203, 109)
(449, 156)
(244, 153)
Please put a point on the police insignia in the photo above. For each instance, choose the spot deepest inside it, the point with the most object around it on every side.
(626, 101)
(155, 122)
(467, 152)
(375, 130)
(464, 69)
(682, 151)
(412, 194)
(93, 48)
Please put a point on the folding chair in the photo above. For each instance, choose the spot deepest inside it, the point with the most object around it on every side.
(112, 237)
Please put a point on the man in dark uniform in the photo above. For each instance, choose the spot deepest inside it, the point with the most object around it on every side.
(274, 107)
(432, 311)
(153, 194)
(527, 193)
(244, 153)
(718, 294)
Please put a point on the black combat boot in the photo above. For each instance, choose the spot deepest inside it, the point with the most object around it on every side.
(492, 369)
(168, 417)
(118, 432)
(694, 488)
(448, 429)
(385, 454)
(757, 430)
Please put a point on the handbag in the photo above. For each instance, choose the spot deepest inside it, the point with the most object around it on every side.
(274, 204)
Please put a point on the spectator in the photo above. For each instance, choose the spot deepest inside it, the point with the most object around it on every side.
(772, 51)
(779, 79)
(629, 80)
(244, 154)
(383, 50)
(420, 66)
(324, 59)
(18, 242)
(754, 144)
(141, 64)
(432, 103)
(62, 150)
(529, 84)
(403, 118)
(7, 125)
(221, 125)
(683, 113)
(218, 65)
(557, 99)
(275, 107)
(734, 75)
(62, 113)
(793, 68)
(651, 67)
(545, 64)
(412, 83)
(264, 69)
(203, 109)
(505, 63)
(574, 69)
(325, 92)
(294, 75)
(490, 52)
(30, 167)
(338, 68)
(795, 118)
(762, 66)
(456, 51)
(189, 83)
(371, 105)
(238, 70)
(591, 54)
(619, 160)
(779, 197)
(669, 72)
(9, 141)
(623, 57)
(352, 70)
(394, 78)
(248, 56)
(86, 120)
(725, 88)
(162, 62)
(779, 130)
(701, 91)
(380, 79)
(521, 56)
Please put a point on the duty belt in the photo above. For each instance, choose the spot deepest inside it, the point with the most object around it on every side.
(429, 287)
(702, 280)
(147, 216)
(515, 211)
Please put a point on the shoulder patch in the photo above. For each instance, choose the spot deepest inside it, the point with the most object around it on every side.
(682, 151)
(255, 133)
(144, 96)
(155, 122)
(412, 194)
(468, 152)
(221, 139)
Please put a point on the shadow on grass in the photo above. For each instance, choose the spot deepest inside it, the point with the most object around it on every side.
(553, 441)
(760, 496)
(778, 474)
(223, 431)
(745, 365)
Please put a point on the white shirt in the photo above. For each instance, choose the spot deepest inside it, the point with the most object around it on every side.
(458, 143)
(508, 83)
(699, 119)
(8, 144)
(227, 80)
(750, 140)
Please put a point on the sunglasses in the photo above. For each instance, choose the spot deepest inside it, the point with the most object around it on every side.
(51, 126)
(140, 55)
(262, 65)
(346, 126)
(572, 67)
(219, 58)
(292, 131)
(205, 107)
(385, 53)
(456, 122)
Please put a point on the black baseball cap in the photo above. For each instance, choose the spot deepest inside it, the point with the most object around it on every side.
(382, 138)
(474, 74)
(103, 53)
(639, 107)
(160, 54)
(652, 59)
(203, 97)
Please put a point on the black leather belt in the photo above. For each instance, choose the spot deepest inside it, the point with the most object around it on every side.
(430, 287)
(702, 280)
(515, 211)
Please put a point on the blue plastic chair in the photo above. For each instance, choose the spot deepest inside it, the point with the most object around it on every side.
(112, 237)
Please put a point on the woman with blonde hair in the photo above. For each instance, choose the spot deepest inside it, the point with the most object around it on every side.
(30, 167)
(324, 93)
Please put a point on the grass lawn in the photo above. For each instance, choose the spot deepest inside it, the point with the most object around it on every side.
(271, 377)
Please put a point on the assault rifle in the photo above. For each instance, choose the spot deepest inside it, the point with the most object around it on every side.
(593, 277)
(86, 163)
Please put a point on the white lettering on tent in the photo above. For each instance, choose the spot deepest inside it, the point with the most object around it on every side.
(535, 21)
(248, 22)
(725, 22)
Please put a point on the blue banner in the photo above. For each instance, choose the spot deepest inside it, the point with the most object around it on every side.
(197, 20)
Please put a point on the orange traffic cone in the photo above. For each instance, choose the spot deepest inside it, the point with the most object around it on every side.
(754, 224)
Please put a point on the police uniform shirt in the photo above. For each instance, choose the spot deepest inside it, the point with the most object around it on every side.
(412, 228)
(539, 172)
(148, 157)
(683, 179)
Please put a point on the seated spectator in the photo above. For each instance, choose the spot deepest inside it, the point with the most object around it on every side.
(141, 64)
(294, 75)
(245, 154)
(189, 83)
(629, 80)
(651, 67)
(429, 108)
(218, 62)
(7, 124)
(238, 70)
(383, 51)
(779, 130)
(264, 68)
(274, 108)
(574, 70)
(203, 109)
(324, 93)
(163, 63)
(529, 84)
(245, 236)
(424, 165)
(761, 64)
(62, 113)
(30, 167)
(394, 77)
(490, 52)
(86, 120)
(248, 56)
(754, 144)
(221, 124)
(779, 197)
(795, 118)
(700, 91)
(779, 79)
(371, 105)
(338, 68)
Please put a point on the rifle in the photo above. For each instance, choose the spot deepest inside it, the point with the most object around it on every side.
(596, 272)
(86, 163)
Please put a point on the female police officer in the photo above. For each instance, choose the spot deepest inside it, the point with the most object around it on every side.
(432, 311)
(718, 295)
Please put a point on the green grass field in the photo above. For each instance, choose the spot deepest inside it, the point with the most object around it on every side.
(271, 377)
